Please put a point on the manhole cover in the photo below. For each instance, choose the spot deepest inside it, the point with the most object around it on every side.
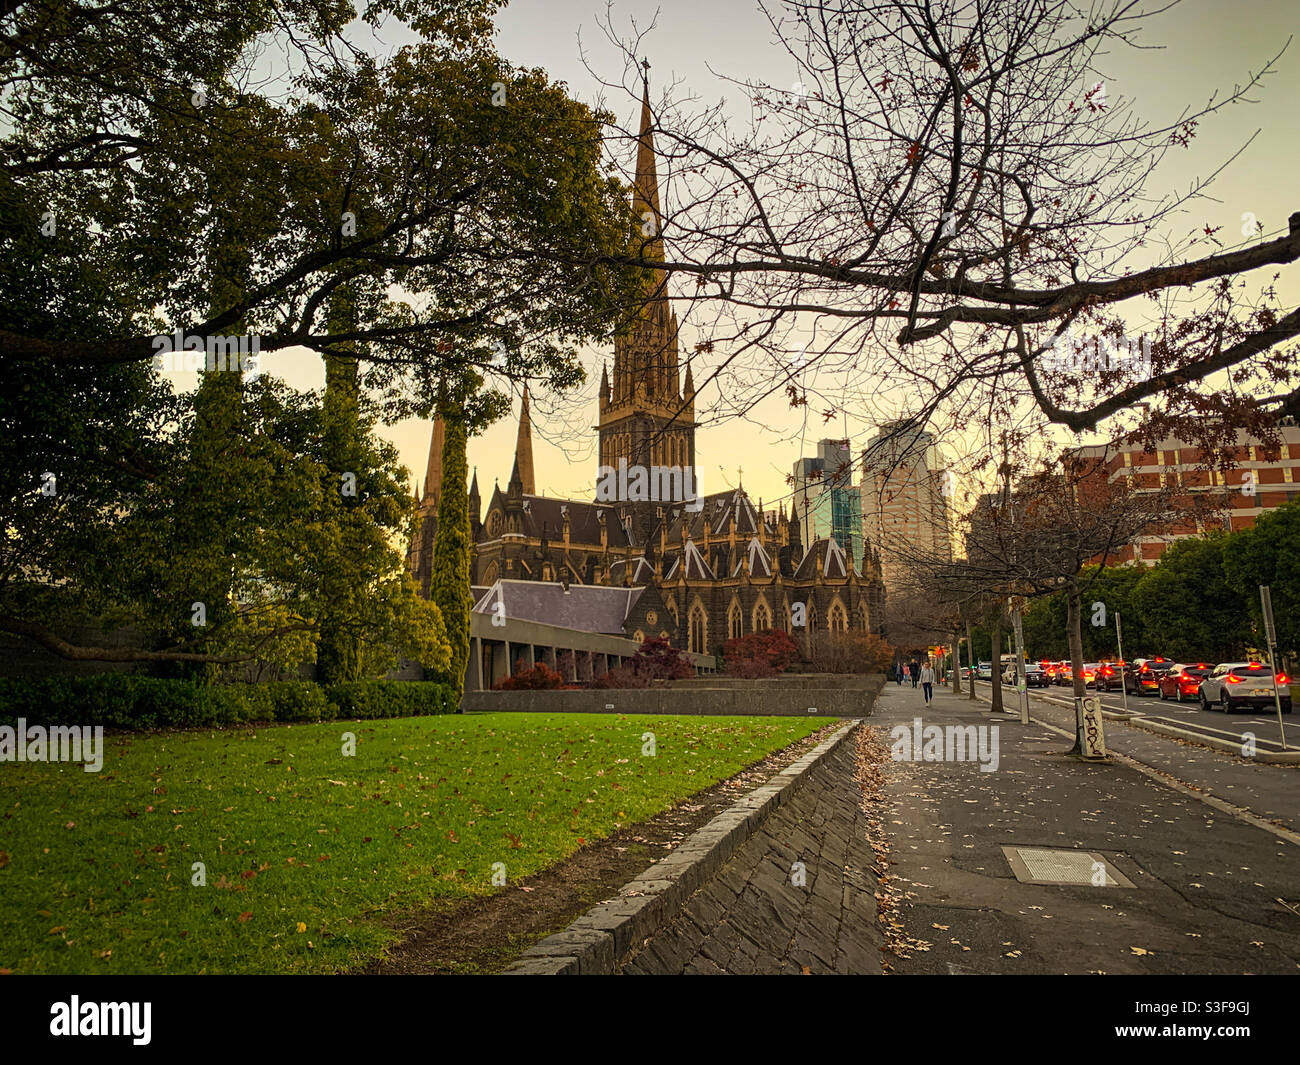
(1038, 865)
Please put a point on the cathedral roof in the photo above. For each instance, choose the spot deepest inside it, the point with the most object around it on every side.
(544, 515)
(835, 563)
(585, 607)
(697, 568)
(756, 559)
(642, 571)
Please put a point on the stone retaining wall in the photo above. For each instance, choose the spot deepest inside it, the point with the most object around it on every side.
(696, 697)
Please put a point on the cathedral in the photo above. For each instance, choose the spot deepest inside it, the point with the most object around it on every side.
(707, 568)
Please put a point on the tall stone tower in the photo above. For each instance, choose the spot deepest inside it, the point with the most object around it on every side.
(646, 418)
(419, 556)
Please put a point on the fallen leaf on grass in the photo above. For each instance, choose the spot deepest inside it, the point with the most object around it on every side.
(1139, 950)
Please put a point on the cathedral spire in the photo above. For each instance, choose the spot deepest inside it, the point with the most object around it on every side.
(433, 472)
(645, 193)
(524, 449)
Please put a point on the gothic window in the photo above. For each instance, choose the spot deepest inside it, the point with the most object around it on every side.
(838, 620)
(735, 621)
(762, 618)
(491, 573)
(494, 523)
(699, 629)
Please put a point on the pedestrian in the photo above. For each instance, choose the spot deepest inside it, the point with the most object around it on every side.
(898, 673)
(927, 683)
(907, 671)
(916, 672)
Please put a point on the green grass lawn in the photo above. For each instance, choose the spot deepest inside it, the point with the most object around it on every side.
(304, 847)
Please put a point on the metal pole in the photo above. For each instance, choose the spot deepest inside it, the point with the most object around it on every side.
(1123, 682)
(1270, 634)
(1022, 679)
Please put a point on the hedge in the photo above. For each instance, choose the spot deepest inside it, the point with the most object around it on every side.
(129, 701)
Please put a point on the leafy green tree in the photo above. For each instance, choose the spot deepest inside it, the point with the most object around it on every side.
(1109, 591)
(1268, 554)
(449, 586)
(457, 203)
(1188, 605)
(1044, 625)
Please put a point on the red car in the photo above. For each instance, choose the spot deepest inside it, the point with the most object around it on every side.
(1183, 680)
(1147, 672)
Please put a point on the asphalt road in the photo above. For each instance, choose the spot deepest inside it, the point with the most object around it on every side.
(1187, 715)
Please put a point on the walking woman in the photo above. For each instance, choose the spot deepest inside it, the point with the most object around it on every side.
(927, 682)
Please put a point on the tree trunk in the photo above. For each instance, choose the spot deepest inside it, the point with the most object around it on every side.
(970, 653)
(996, 669)
(1074, 632)
(956, 662)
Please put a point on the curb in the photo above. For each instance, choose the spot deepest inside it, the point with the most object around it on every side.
(599, 940)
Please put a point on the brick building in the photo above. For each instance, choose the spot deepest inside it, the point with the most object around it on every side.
(1261, 478)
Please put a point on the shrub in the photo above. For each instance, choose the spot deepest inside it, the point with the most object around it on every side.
(299, 700)
(847, 652)
(749, 669)
(623, 676)
(130, 701)
(392, 698)
(760, 654)
(540, 678)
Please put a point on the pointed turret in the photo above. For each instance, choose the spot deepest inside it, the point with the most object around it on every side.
(645, 193)
(433, 472)
(475, 505)
(524, 450)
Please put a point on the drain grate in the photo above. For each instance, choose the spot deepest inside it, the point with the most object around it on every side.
(1039, 865)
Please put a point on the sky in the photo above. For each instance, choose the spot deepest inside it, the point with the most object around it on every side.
(1201, 44)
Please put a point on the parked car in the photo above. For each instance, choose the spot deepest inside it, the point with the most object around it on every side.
(1147, 673)
(1064, 674)
(1034, 675)
(984, 671)
(1183, 680)
(1238, 684)
(1113, 675)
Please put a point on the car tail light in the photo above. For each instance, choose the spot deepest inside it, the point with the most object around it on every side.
(1282, 678)
(1232, 678)
(1145, 668)
(1184, 677)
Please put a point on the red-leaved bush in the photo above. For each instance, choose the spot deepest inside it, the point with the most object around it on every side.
(760, 654)
(656, 659)
(540, 678)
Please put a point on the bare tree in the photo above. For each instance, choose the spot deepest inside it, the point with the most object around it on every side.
(1040, 533)
(944, 201)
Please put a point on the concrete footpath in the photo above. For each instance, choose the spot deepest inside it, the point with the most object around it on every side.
(1209, 893)
(1269, 791)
